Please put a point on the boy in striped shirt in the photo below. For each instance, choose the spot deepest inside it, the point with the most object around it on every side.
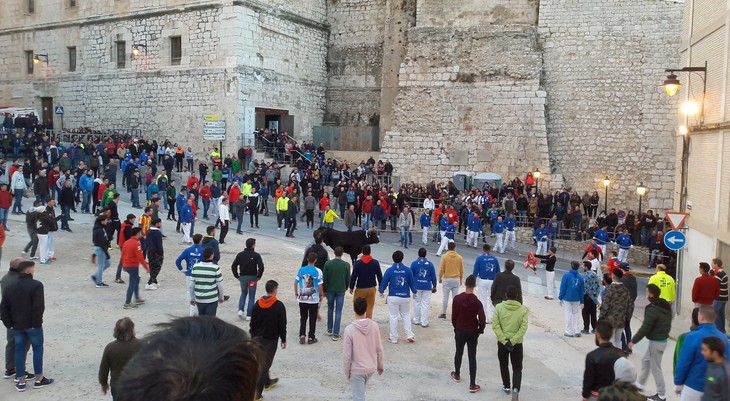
(206, 285)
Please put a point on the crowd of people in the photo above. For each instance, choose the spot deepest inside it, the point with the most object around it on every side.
(236, 185)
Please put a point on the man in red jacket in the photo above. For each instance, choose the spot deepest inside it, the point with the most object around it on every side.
(467, 317)
(706, 288)
(132, 257)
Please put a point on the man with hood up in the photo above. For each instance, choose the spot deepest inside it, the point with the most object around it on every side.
(268, 325)
(656, 326)
(362, 350)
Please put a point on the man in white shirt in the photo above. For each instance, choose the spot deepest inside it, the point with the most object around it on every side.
(429, 204)
(224, 218)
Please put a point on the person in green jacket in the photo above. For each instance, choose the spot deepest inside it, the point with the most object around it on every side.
(336, 278)
(109, 194)
(510, 325)
(171, 195)
(656, 326)
(680, 339)
(217, 175)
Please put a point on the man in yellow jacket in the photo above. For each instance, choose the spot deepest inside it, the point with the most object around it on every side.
(282, 205)
(328, 218)
(665, 283)
(451, 276)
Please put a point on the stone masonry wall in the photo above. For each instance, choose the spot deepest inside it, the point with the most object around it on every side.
(607, 115)
(355, 60)
(470, 99)
(247, 55)
(461, 13)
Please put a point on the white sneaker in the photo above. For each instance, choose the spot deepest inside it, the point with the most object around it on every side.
(240, 314)
(150, 287)
(248, 318)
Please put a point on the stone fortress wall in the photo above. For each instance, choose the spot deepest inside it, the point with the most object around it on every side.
(572, 90)
(566, 86)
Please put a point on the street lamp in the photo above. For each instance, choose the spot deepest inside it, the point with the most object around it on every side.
(537, 174)
(40, 57)
(136, 49)
(688, 108)
(606, 183)
(641, 190)
(671, 84)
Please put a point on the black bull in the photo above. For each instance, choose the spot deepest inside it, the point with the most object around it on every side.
(351, 242)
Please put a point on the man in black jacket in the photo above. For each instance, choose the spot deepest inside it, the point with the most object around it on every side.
(268, 325)
(502, 281)
(22, 310)
(9, 279)
(599, 362)
(155, 252)
(248, 268)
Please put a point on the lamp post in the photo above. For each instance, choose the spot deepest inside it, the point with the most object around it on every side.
(37, 58)
(606, 183)
(137, 49)
(689, 108)
(641, 190)
(537, 174)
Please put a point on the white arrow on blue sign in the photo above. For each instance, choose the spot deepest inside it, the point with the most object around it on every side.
(675, 240)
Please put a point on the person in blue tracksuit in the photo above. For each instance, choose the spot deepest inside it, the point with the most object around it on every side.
(474, 227)
(540, 235)
(191, 255)
(509, 234)
(180, 200)
(689, 374)
(624, 244)
(398, 279)
(601, 237)
(424, 273)
(498, 230)
(486, 268)
(447, 236)
(571, 296)
(425, 225)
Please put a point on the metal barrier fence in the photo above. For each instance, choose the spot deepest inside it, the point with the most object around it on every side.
(117, 134)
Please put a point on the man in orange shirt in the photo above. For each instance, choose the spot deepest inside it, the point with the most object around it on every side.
(132, 257)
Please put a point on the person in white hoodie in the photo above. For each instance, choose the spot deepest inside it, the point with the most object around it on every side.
(362, 353)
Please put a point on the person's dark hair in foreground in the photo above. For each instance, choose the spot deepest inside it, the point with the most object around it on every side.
(193, 358)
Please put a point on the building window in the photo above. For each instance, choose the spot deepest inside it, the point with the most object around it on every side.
(72, 59)
(72, 3)
(121, 54)
(175, 50)
(29, 61)
(31, 6)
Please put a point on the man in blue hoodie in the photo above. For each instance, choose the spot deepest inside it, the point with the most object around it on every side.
(86, 183)
(398, 279)
(624, 244)
(186, 220)
(509, 231)
(498, 230)
(474, 227)
(541, 237)
(180, 201)
(425, 225)
(601, 237)
(191, 255)
(486, 268)
(446, 237)
(424, 273)
(572, 293)
(689, 375)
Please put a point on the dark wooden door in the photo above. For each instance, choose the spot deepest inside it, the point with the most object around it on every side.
(47, 112)
(287, 124)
